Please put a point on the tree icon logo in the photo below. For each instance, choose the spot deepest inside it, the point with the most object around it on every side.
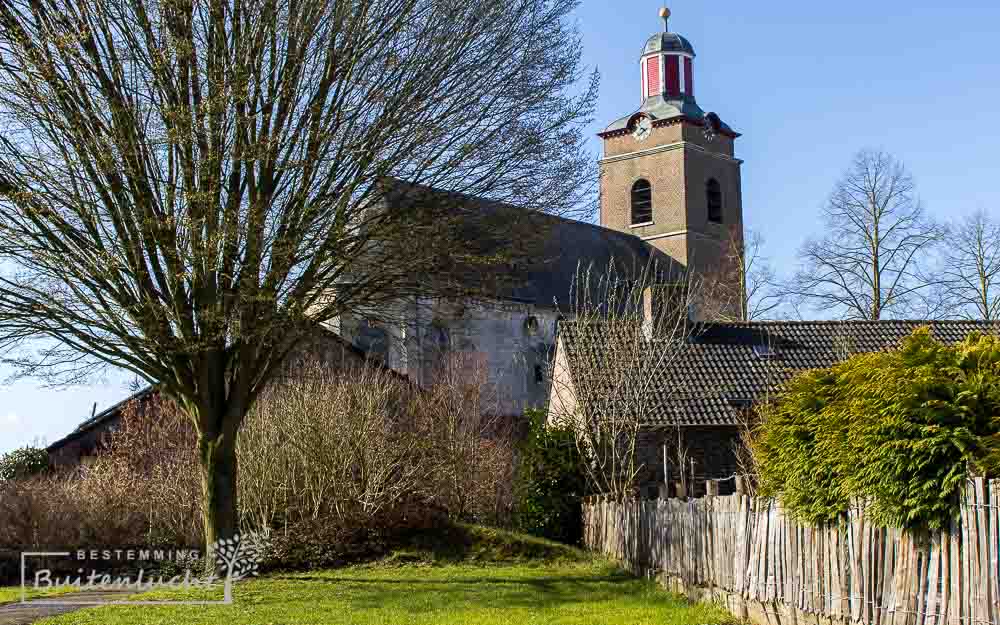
(239, 557)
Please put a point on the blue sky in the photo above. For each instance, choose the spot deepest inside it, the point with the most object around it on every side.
(807, 83)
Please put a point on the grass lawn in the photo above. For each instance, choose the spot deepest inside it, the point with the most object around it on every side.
(12, 594)
(490, 584)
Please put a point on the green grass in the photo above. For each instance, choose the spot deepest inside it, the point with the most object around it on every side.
(465, 576)
(12, 594)
(455, 594)
(461, 543)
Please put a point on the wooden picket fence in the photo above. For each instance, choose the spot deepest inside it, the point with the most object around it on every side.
(850, 571)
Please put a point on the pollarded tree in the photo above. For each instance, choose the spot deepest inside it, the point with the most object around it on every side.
(188, 186)
(869, 264)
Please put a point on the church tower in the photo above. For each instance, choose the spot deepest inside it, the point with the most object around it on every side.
(669, 174)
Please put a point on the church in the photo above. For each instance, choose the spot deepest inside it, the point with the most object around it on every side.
(669, 174)
(670, 196)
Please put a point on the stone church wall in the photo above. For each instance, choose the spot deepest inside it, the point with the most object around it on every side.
(506, 343)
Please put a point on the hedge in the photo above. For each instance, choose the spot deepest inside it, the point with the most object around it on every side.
(898, 432)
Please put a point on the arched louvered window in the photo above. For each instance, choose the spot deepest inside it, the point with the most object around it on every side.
(713, 193)
(642, 202)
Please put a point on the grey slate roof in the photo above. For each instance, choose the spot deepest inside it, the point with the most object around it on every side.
(667, 42)
(728, 367)
(548, 251)
(660, 108)
(568, 248)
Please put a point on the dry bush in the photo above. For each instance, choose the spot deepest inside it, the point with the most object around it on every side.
(359, 449)
(143, 490)
(327, 444)
(330, 444)
(472, 451)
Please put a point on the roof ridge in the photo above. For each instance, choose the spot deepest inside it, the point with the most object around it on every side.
(482, 200)
(772, 322)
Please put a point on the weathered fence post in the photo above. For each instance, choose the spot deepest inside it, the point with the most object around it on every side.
(851, 570)
(712, 488)
(681, 491)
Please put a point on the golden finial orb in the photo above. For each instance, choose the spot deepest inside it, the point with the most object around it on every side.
(665, 13)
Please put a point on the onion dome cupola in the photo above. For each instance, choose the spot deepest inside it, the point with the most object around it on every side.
(668, 84)
(667, 64)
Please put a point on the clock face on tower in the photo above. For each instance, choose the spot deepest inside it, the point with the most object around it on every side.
(709, 131)
(643, 129)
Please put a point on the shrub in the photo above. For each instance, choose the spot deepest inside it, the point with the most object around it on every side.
(331, 541)
(343, 450)
(23, 463)
(143, 490)
(470, 457)
(551, 482)
(898, 431)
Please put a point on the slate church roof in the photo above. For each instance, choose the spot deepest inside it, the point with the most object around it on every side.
(548, 251)
(727, 367)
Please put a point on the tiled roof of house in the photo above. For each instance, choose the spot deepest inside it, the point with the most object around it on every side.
(101, 420)
(726, 367)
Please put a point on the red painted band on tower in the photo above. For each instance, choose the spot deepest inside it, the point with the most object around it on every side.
(653, 76)
(688, 76)
(673, 77)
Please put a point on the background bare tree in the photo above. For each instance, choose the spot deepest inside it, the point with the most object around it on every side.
(970, 274)
(871, 262)
(187, 186)
(623, 330)
(743, 287)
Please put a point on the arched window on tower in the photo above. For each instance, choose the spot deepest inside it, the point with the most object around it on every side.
(642, 202)
(713, 193)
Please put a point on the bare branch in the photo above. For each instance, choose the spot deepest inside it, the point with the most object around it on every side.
(870, 264)
(743, 287)
(971, 267)
(187, 187)
(624, 330)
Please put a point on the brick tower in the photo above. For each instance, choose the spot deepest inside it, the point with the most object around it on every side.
(669, 175)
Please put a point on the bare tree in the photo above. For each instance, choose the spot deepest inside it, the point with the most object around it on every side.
(623, 331)
(743, 286)
(971, 271)
(870, 262)
(186, 187)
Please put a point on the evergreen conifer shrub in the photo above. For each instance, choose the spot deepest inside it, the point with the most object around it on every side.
(23, 463)
(898, 432)
(550, 483)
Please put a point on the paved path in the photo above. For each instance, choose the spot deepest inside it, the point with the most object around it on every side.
(26, 613)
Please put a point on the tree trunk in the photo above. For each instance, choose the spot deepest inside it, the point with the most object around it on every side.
(218, 478)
